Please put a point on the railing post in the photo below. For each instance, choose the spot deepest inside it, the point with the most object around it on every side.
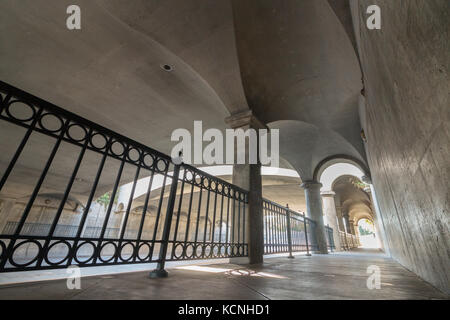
(306, 234)
(289, 235)
(346, 241)
(159, 272)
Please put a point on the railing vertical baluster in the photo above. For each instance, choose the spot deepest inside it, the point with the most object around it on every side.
(275, 234)
(284, 233)
(198, 211)
(175, 233)
(266, 235)
(188, 220)
(205, 229)
(272, 229)
(144, 214)
(306, 235)
(289, 235)
(228, 225)
(221, 219)
(213, 227)
(243, 224)
(159, 272)
(279, 240)
(233, 222)
(158, 213)
(125, 220)
(238, 219)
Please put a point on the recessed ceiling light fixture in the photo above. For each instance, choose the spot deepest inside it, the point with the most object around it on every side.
(166, 67)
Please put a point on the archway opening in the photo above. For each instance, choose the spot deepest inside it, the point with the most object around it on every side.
(367, 234)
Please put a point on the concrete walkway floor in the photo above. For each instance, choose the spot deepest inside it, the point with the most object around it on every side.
(335, 276)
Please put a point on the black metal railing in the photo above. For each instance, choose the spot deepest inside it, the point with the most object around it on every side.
(134, 205)
(287, 231)
(186, 213)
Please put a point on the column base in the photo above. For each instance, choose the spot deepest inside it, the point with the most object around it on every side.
(157, 273)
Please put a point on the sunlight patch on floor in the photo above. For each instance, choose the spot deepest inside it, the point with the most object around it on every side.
(232, 272)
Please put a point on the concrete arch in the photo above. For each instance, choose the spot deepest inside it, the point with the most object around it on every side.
(368, 217)
(305, 145)
(339, 158)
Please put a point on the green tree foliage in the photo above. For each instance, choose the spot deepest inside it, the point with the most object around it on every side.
(104, 199)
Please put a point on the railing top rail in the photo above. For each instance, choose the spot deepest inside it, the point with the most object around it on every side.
(212, 178)
(27, 97)
(292, 213)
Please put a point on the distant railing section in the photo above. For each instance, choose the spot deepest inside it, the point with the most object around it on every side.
(287, 231)
(348, 241)
(196, 215)
(219, 211)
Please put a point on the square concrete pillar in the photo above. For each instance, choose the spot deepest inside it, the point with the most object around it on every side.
(315, 212)
(248, 177)
(329, 209)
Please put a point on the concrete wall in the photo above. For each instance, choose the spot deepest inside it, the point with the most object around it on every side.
(407, 85)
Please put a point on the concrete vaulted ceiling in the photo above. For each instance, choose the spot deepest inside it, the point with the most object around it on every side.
(354, 201)
(291, 62)
(297, 63)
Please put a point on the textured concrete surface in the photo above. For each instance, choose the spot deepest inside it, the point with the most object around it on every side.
(333, 276)
(407, 125)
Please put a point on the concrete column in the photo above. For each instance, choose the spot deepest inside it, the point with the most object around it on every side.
(248, 177)
(314, 212)
(355, 228)
(348, 228)
(329, 208)
(339, 218)
(352, 227)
